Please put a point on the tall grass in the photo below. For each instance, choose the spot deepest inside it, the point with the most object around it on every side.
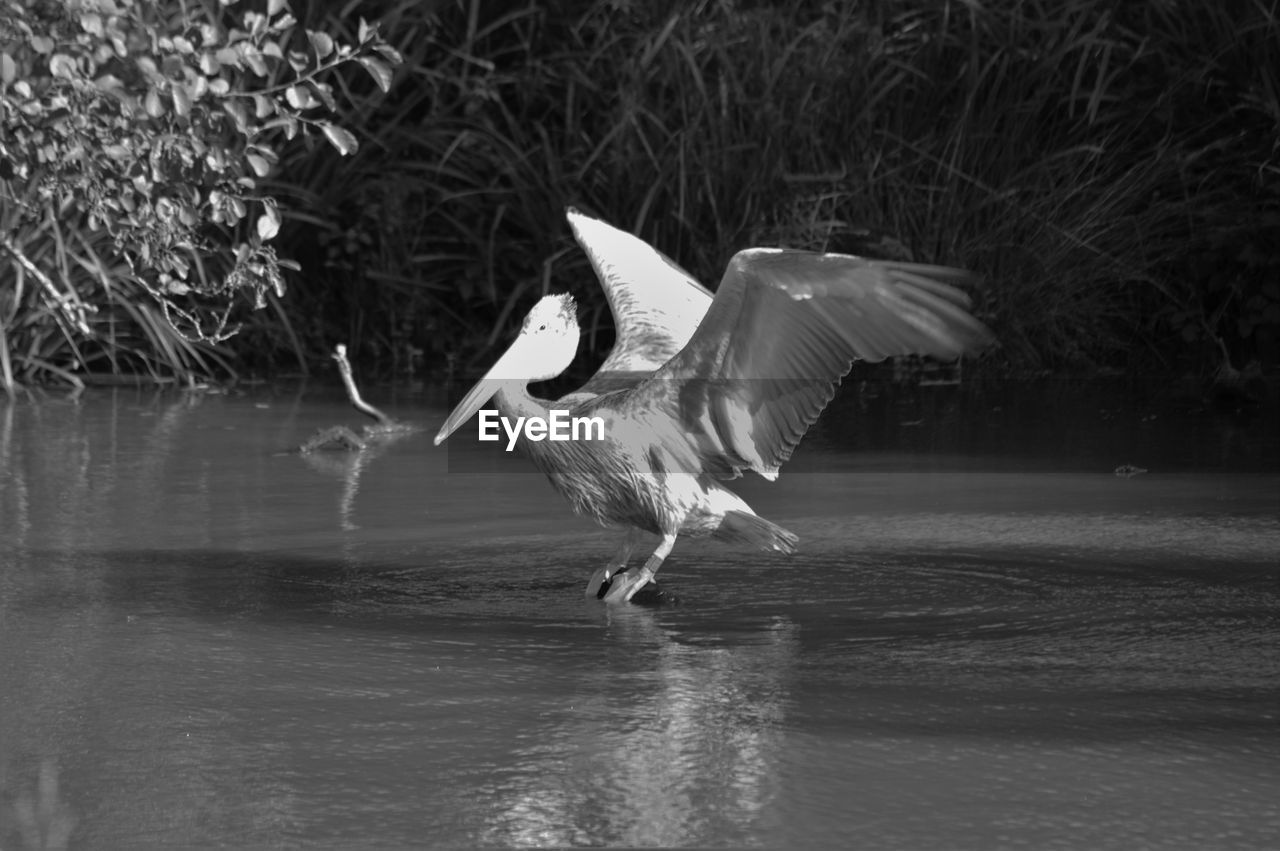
(69, 314)
(1081, 156)
(1109, 169)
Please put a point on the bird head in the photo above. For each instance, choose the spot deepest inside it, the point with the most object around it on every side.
(548, 339)
(546, 345)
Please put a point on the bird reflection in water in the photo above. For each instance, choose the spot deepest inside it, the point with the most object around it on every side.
(696, 764)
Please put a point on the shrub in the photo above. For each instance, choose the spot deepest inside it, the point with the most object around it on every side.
(134, 137)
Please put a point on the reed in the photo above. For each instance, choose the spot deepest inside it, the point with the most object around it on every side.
(1109, 170)
(1077, 155)
(124, 336)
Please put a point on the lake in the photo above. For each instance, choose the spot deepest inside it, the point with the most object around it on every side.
(987, 639)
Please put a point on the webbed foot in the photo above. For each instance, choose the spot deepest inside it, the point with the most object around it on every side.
(626, 584)
(598, 584)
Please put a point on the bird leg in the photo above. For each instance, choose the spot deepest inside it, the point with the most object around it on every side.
(626, 585)
(630, 540)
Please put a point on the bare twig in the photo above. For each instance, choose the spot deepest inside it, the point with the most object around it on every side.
(353, 393)
(66, 304)
(341, 437)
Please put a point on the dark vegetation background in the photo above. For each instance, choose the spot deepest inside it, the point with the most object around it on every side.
(1112, 171)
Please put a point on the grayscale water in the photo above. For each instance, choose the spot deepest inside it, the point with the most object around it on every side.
(987, 640)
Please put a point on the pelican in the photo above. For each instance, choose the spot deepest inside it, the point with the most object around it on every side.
(700, 388)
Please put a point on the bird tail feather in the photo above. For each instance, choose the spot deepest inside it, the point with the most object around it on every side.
(744, 528)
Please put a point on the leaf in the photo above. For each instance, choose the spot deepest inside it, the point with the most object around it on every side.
(379, 71)
(325, 93)
(265, 152)
(62, 65)
(41, 44)
(8, 69)
(274, 7)
(209, 64)
(153, 104)
(269, 221)
(92, 24)
(341, 139)
(364, 32)
(299, 97)
(254, 60)
(173, 67)
(216, 159)
(263, 106)
(321, 43)
(238, 113)
(389, 53)
(259, 165)
(287, 121)
(181, 100)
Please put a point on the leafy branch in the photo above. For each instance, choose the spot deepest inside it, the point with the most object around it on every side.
(154, 121)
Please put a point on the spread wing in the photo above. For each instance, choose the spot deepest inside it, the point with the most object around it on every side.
(784, 328)
(656, 305)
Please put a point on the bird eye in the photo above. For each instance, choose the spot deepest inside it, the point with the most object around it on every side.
(542, 327)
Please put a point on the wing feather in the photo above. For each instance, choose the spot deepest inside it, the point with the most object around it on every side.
(656, 305)
(783, 329)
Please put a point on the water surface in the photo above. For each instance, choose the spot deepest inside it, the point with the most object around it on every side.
(987, 640)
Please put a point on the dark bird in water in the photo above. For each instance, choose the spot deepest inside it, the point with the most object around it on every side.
(700, 387)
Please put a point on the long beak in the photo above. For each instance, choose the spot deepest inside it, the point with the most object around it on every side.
(507, 370)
